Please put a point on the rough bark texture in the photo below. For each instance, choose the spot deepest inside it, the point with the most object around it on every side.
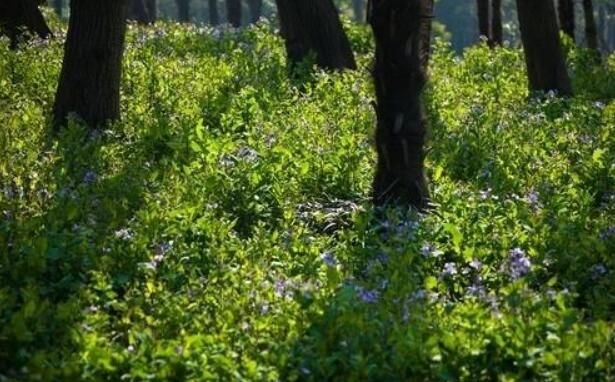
(497, 34)
(543, 54)
(565, 11)
(214, 16)
(89, 83)
(256, 10)
(314, 27)
(591, 31)
(183, 10)
(142, 11)
(233, 12)
(58, 6)
(16, 15)
(482, 12)
(358, 6)
(399, 79)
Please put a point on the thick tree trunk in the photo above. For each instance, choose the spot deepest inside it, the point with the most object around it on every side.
(314, 27)
(591, 31)
(214, 16)
(18, 14)
(142, 11)
(543, 53)
(256, 10)
(565, 10)
(399, 79)
(233, 12)
(358, 6)
(497, 34)
(482, 12)
(89, 83)
(183, 10)
(425, 32)
(58, 6)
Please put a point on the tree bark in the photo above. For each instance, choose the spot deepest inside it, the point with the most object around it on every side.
(58, 6)
(482, 11)
(214, 16)
(233, 12)
(256, 9)
(183, 10)
(89, 82)
(541, 44)
(358, 6)
(399, 78)
(18, 14)
(591, 31)
(314, 27)
(565, 10)
(497, 34)
(142, 11)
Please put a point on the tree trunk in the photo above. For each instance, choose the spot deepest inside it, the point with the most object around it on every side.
(256, 9)
(425, 31)
(58, 6)
(89, 83)
(233, 12)
(141, 11)
(482, 11)
(358, 7)
(591, 31)
(543, 53)
(565, 10)
(399, 79)
(497, 34)
(18, 14)
(314, 27)
(152, 10)
(183, 10)
(602, 26)
(214, 16)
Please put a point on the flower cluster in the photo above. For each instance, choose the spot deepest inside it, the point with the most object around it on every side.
(519, 263)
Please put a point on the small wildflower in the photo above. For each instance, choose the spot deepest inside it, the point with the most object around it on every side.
(367, 296)
(599, 105)
(485, 194)
(520, 264)
(264, 309)
(450, 269)
(599, 270)
(130, 349)
(476, 264)
(305, 371)
(329, 259)
(89, 178)
(607, 233)
(124, 234)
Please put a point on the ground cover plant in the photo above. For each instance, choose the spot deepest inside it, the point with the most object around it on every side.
(223, 230)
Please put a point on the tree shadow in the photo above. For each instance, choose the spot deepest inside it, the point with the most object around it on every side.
(52, 239)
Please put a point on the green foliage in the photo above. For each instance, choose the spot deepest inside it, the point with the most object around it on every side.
(223, 231)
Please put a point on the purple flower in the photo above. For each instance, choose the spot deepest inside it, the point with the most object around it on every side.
(450, 269)
(476, 264)
(599, 270)
(366, 295)
(89, 178)
(427, 250)
(520, 264)
(264, 309)
(329, 259)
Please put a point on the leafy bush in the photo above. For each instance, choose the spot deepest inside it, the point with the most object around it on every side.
(223, 230)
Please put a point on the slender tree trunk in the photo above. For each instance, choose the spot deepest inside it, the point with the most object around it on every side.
(183, 10)
(89, 83)
(541, 44)
(358, 6)
(214, 16)
(152, 10)
(399, 79)
(482, 11)
(425, 32)
(58, 6)
(314, 27)
(233, 12)
(602, 26)
(591, 31)
(565, 10)
(256, 10)
(18, 14)
(139, 10)
(497, 34)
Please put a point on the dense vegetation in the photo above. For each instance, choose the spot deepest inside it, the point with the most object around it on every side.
(223, 229)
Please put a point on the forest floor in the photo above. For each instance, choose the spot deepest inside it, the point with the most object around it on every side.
(223, 229)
